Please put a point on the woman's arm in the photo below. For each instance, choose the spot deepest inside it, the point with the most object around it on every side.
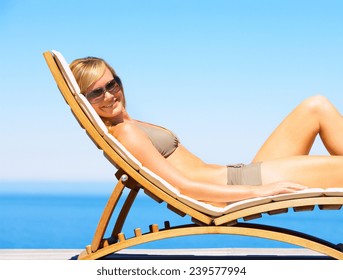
(141, 147)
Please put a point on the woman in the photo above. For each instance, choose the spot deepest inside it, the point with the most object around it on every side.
(282, 165)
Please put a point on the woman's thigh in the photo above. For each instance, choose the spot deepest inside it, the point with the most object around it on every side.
(294, 136)
(297, 132)
(312, 171)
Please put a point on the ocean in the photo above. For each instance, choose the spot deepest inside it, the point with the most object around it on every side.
(34, 218)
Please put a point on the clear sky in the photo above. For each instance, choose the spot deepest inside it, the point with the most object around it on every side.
(220, 74)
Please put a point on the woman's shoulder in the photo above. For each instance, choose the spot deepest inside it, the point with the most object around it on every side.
(124, 129)
(132, 138)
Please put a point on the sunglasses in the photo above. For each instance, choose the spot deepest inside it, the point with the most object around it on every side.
(97, 95)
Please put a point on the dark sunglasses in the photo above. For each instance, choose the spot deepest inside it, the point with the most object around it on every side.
(97, 95)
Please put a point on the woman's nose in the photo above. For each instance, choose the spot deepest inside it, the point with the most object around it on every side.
(108, 95)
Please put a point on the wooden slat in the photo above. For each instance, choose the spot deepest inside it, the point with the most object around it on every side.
(304, 208)
(153, 228)
(252, 217)
(330, 207)
(278, 211)
(121, 237)
(138, 232)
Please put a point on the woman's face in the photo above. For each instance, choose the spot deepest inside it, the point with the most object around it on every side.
(109, 106)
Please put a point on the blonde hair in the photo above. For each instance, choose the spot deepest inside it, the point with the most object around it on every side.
(90, 69)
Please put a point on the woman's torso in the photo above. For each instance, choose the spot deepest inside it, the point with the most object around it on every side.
(190, 165)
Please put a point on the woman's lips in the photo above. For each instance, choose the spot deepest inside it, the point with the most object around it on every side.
(111, 104)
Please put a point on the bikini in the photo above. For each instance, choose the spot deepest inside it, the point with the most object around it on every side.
(163, 139)
(166, 143)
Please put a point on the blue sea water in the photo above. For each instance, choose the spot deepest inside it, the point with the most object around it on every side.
(62, 220)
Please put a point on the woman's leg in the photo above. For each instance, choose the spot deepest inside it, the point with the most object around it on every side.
(296, 134)
(311, 171)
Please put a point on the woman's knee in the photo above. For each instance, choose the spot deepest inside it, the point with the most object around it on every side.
(317, 105)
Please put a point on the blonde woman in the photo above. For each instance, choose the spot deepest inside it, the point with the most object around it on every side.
(282, 165)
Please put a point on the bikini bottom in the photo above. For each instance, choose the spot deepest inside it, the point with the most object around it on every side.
(242, 174)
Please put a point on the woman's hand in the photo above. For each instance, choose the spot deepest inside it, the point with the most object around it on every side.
(278, 188)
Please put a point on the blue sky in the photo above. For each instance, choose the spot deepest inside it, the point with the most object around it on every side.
(220, 74)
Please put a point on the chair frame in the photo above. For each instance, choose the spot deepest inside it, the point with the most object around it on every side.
(129, 177)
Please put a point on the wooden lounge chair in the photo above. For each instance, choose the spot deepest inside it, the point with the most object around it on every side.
(206, 219)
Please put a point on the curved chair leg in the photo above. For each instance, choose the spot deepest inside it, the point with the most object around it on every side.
(245, 229)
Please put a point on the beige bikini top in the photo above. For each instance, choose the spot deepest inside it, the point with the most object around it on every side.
(163, 139)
